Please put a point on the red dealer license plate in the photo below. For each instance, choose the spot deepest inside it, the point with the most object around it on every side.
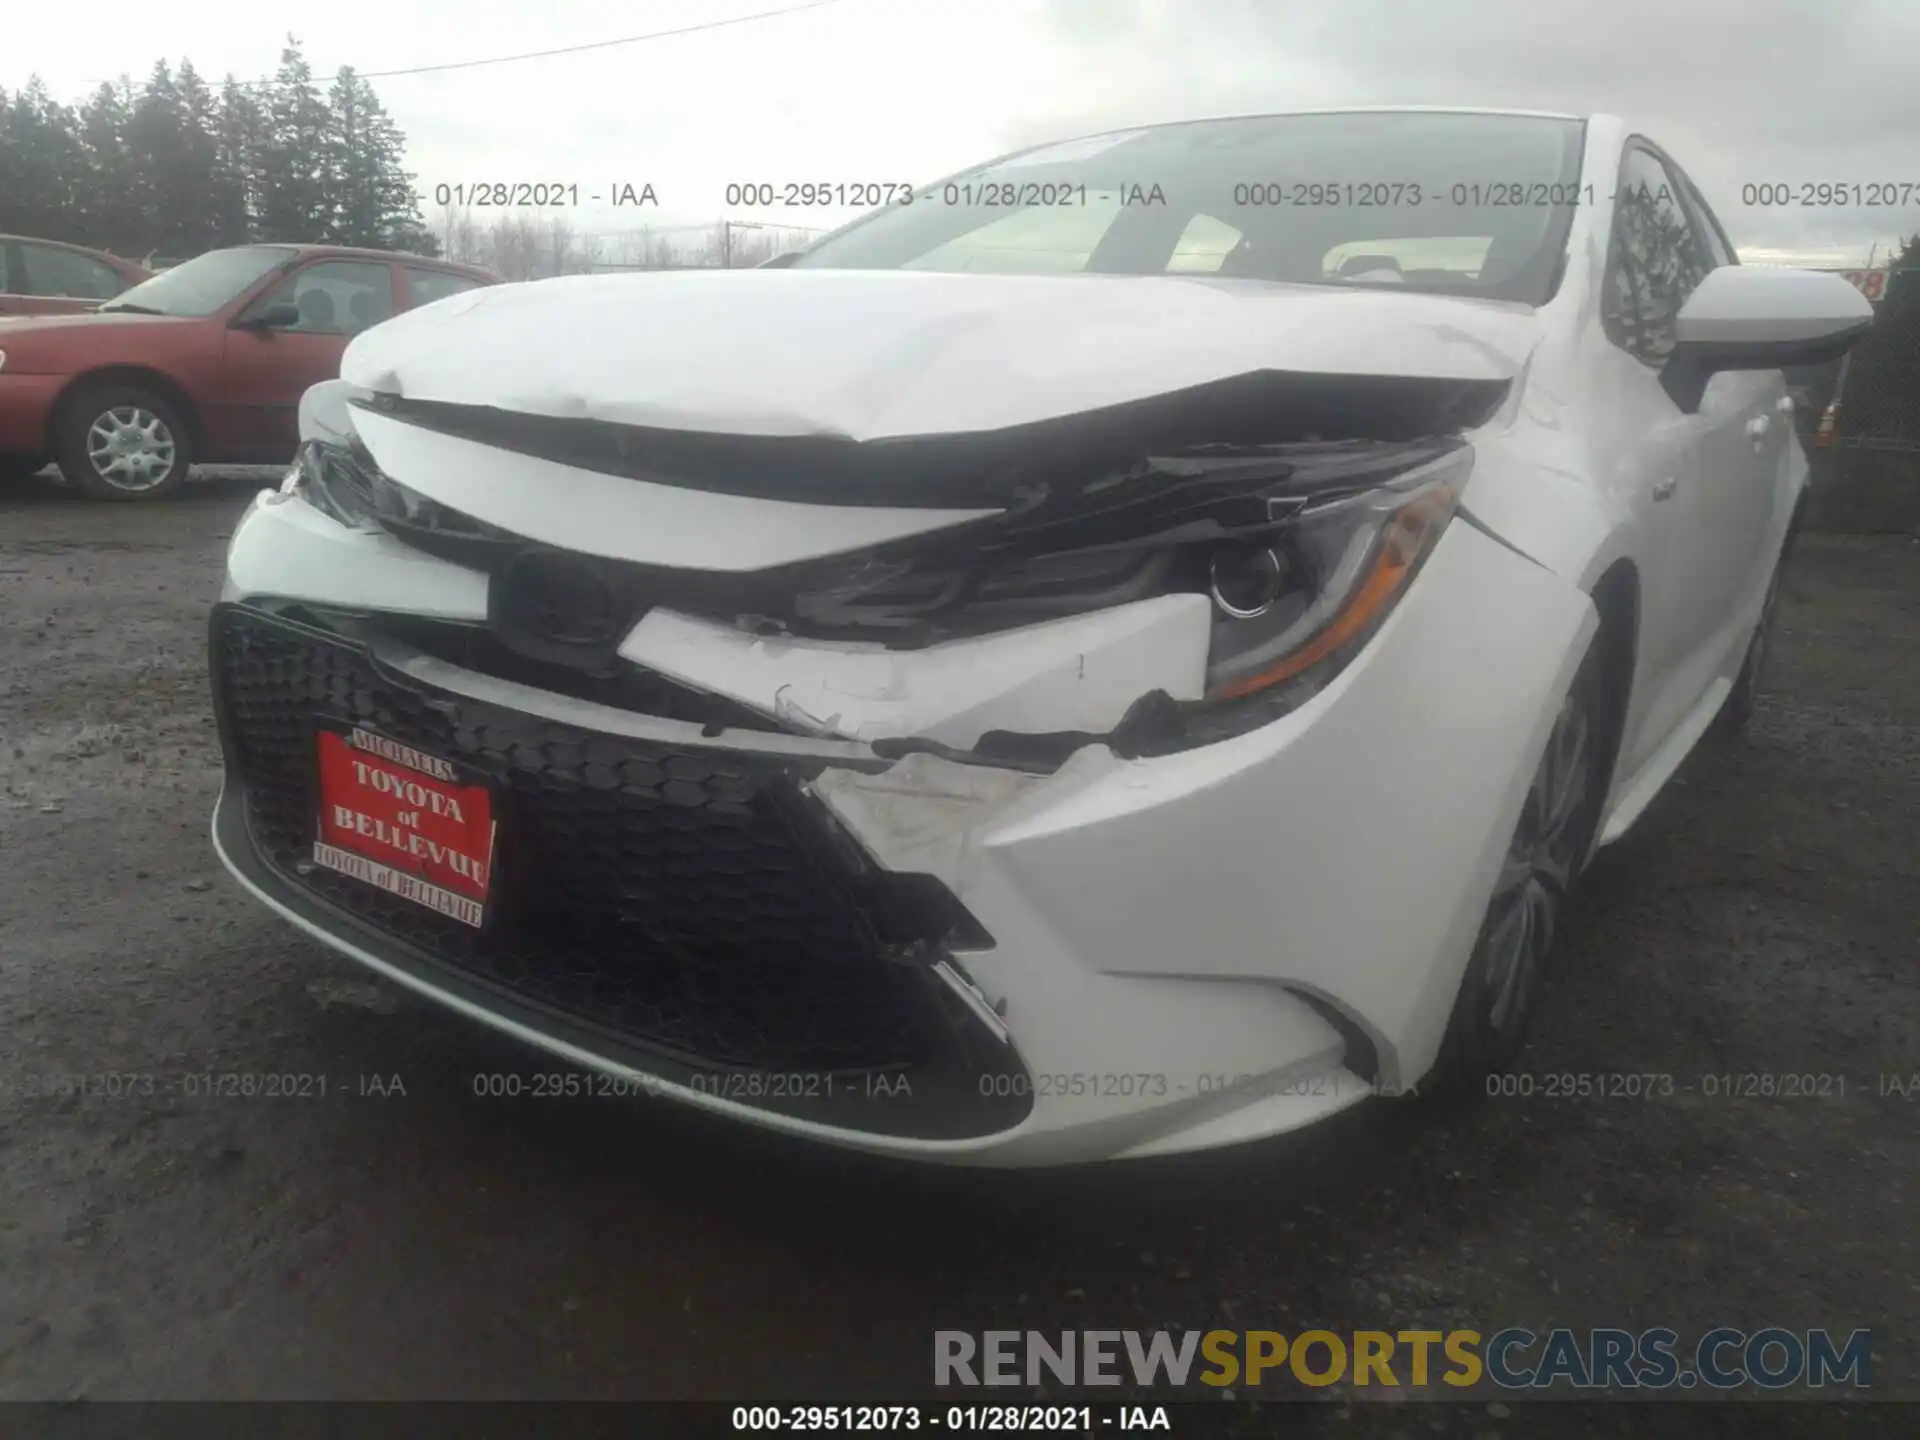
(402, 819)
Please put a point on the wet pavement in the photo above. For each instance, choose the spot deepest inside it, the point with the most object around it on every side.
(400, 1236)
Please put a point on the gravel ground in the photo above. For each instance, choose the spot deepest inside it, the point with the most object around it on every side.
(1762, 919)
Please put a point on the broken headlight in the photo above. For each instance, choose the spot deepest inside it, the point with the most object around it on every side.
(1302, 549)
(339, 484)
(1286, 602)
(343, 483)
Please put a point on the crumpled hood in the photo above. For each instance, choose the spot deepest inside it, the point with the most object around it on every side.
(874, 354)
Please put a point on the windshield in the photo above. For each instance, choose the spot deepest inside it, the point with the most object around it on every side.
(204, 284)
(1453, 203)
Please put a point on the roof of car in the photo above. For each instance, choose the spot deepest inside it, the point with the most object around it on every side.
(1122, 131)
(1319, 110)
(64, 245)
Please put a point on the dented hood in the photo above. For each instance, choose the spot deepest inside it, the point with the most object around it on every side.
(875, 354)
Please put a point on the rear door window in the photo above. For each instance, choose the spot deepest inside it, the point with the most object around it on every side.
(68, 274)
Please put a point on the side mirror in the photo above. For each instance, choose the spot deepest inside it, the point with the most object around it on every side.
(1744, 317)
(283, 316)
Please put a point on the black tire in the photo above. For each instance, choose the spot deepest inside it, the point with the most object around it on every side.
(1549, 849)
(154, 432)
(1730, 725)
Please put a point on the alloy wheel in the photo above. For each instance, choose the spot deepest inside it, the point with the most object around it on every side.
(1540, 866)
(130, 448)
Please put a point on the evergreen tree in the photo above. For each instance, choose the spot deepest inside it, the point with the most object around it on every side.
(199, 227)
(239, 153)
(169, 169)
(375, 202)
(110, 212)
(356, 210)
(41, 154)
(156, 143)
(297, 163)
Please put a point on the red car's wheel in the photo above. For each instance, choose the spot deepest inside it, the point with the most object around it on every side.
(122, 442)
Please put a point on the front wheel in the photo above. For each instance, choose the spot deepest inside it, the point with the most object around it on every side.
(123, 442)
(1737, 713)
(1544, 858)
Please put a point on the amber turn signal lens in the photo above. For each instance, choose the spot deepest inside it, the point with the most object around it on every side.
(1406, 538)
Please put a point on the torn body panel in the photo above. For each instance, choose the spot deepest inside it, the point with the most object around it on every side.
(1079, 674)
(1189, 907)
(284, 548)
(1202, 867)
(1075, 675)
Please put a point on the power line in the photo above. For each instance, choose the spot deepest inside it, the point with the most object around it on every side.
(564, 49)
(597, 44)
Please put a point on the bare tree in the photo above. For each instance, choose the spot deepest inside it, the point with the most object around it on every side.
(560, 242)
(459, 234)
(630, 248)
(511, 247)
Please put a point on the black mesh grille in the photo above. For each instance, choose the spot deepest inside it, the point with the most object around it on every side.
(684, 898)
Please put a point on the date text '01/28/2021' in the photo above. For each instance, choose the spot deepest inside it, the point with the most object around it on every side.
(544, 194)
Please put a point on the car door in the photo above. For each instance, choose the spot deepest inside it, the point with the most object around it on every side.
(268, 369)
(57, 281)
(1700, 497)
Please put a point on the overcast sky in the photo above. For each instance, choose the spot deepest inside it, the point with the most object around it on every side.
(1740, 91)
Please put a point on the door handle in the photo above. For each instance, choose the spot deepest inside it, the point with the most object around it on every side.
(1759, 425)
(1663, 489)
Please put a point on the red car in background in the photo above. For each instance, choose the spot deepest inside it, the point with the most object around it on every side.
(48, 277)
(204, 363)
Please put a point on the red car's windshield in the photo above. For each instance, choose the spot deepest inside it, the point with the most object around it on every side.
(204, 284)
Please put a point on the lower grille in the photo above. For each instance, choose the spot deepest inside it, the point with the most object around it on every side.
(688, 901)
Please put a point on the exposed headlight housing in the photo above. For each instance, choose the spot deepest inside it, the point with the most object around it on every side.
(328, 479)
(343, 483)
(1303, 550)
(1325, 579)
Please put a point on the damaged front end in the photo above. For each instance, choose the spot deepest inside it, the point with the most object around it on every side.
(783, 836)
(1212, 558)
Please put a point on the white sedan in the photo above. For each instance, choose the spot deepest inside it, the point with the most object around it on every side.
(1122, 651)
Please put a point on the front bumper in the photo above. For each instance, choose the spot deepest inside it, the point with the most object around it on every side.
(1186, 951)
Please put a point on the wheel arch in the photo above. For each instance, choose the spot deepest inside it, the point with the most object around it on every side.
(143, 375)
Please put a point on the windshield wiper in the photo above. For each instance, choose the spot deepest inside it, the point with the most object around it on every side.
(134, 309)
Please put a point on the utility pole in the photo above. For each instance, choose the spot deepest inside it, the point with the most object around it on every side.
(726, 239)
